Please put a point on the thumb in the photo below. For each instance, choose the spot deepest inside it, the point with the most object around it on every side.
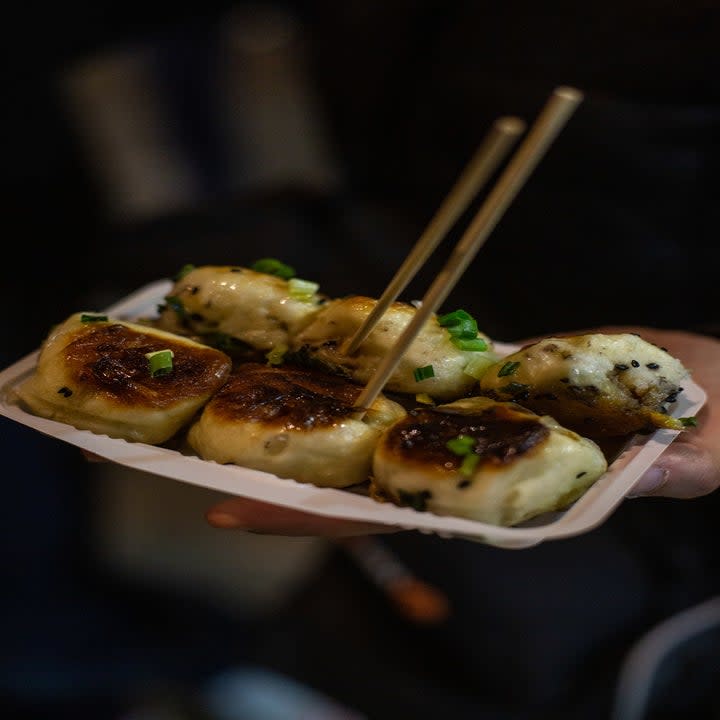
(683, 471)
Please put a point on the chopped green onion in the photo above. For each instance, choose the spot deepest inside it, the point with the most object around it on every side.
(183, 271)
(459, 324)
(271, 266)
(461, 445)
(87, 318)
(689, 421)
(160, 362)
(468, 464)
(302, 289)
(463, 330)
(464, 445)
(176, 304)
(476, 344)
(454, 318)
(508, 368)
(276, 356)
(478, 365)
(466, 328)
(424, 399)
(423, 373)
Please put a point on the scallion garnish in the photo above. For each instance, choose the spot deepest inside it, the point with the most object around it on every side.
(463, 330)
(183, 271)
(160, 362)
(508, 368)
(302, 289)
(461, 445)
(476, 344)
(459, 322)
(468, 464)
(464, 447)
(423, 373)
(271, 266)
(176, 305)
(276, 356)
(478, 365)
(88, 318)
(689, 421)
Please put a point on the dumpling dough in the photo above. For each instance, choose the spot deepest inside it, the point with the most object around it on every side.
(596, 384)
(226, 302)
(96, 376)
(293, 422)
(526, 464)
(323, 341)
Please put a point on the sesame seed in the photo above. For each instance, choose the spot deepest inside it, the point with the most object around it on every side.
(635, 363)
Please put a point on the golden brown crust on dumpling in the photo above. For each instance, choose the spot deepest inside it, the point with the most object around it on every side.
(283, 395)
(293, 422)
(111, 358)
(503, 434)
(522, 464)
(96, 376)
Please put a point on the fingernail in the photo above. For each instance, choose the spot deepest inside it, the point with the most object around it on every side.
(650, 482)
(224, 520)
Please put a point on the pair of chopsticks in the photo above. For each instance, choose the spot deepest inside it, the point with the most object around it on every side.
(505, 132)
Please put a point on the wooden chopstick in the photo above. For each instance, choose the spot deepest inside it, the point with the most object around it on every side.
(557, 111)
(487, 158)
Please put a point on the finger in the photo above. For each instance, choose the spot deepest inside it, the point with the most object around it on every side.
(683, 471)
(256, 516)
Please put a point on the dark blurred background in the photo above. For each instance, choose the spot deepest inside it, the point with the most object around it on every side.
(326, 134)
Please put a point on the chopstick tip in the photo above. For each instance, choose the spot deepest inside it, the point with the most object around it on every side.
(568, 93)
(511, 125)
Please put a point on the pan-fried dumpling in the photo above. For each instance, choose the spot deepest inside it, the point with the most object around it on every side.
(95, 374)
(293, 422)
(323, 342)
(238, 309)
(494, 462)
(596, 384)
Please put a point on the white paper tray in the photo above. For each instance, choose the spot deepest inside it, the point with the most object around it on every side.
(586, 513)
